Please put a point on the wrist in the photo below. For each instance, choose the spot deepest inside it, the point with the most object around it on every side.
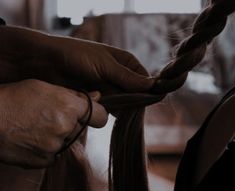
(23, 51)
(21, 40)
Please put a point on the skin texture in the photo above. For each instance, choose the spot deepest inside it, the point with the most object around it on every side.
(43, 114)
(36, 117)
(80, 64)
(70, 62)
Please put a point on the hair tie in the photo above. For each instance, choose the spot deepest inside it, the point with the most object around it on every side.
(74, 135)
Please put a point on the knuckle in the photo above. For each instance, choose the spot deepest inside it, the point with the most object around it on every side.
(64, 130)
(68, 102)
(61, 122)
(66, 122)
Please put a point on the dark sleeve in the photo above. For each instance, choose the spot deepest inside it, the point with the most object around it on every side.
(2, 22)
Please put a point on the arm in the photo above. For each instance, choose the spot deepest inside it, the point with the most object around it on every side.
(65, 61)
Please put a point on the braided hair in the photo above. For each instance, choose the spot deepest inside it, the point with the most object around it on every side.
(127, 165)
(127, 160)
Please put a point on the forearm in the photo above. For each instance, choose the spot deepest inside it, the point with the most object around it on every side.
(23, 53)
(18, 41)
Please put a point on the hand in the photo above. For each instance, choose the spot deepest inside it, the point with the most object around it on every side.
(96, 65)
(35, 119)
(70, 62)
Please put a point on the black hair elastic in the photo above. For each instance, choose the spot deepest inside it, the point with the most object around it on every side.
(71, 139)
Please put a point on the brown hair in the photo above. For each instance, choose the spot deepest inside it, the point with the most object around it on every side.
(127, 160)
(127, 168)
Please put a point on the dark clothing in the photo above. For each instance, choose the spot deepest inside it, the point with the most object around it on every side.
(2, 22)
(220, 176)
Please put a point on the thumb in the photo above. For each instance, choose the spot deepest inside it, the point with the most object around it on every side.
(128, 79)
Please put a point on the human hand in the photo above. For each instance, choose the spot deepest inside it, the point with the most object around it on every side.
(36, 117)
(71, 62)
(99, 66)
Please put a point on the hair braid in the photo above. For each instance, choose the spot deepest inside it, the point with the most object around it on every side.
(192, 50)
(127, 168)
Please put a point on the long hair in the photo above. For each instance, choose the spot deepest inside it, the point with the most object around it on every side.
(127, 166)
(127, 160)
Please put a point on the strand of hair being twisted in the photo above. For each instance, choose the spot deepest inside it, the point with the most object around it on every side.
(191, 51)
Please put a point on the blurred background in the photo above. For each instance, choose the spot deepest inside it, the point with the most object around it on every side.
(150, 30)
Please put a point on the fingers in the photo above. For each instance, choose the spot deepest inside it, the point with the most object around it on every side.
(40, 130)
(99, 115)
(128, 79)
(127, 59)
(98, 119)
(127, 72)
